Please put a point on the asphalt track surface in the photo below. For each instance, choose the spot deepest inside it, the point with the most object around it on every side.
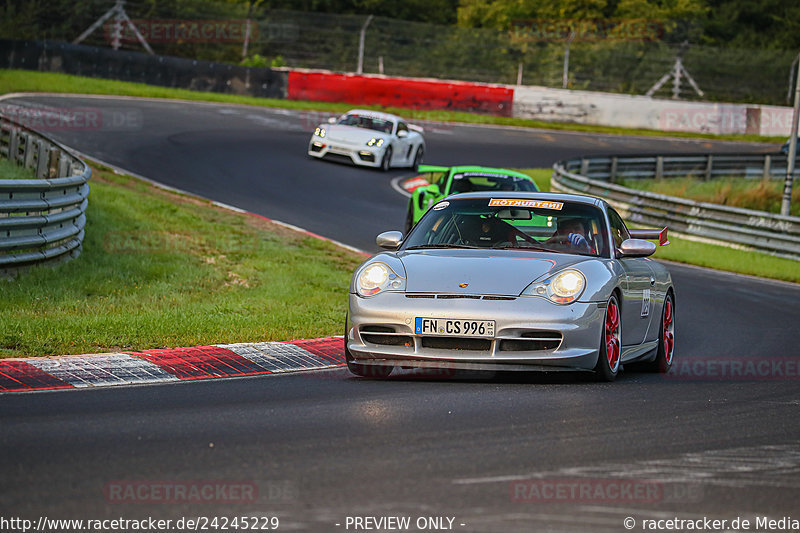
(323, 446)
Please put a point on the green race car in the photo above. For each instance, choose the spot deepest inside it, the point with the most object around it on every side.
(444, 181)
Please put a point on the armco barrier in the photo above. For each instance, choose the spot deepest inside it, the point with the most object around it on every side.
(42, 219)
(775, 234)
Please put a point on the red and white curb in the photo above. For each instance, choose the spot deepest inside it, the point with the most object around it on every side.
(173, 364)
(406, 185)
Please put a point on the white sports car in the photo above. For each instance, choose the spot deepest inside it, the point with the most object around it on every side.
(369, 138)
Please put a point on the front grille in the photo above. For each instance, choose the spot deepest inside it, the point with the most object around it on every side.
(388, 340)
(456, 343)
(531, 341)
(367, 156)
(316, 147)
(377, 329)
(385, 336)
(338, 157)
(458, 296)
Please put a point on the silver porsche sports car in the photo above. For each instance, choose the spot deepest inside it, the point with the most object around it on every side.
(513, 281)
(369, 138)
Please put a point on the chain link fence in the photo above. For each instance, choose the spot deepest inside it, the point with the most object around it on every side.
(629, 64)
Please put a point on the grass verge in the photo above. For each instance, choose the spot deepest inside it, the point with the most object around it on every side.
(159, 269)
(32, 81)
(683, 250)
(761, 195)
(10, 171)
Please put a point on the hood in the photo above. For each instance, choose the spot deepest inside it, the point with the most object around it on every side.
(351, 134)
(496, 272)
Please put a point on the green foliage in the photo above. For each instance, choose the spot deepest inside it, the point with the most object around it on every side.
(753, 24)
(255, 60)
(10, 171)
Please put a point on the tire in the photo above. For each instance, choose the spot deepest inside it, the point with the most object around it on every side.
(364, 371)
(387, 160)
(409, 216)
(418, 158)
(665, 353)
(608, 359)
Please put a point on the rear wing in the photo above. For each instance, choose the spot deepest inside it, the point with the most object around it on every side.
(651, 234)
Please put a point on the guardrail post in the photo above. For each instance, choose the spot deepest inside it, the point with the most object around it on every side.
(709, 166)
(42, 160)
(52, 164)
(767, 167)
(612, 176)
(63, 166)
(584, 166)
(27, 155)
(659, 167)
(13, 145)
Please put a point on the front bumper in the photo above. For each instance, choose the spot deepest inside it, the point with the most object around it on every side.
(357, 154)
(531, 333)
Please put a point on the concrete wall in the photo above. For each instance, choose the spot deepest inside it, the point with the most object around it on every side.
(628, 111)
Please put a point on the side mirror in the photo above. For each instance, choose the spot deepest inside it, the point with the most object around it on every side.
(389, 240)
(636, 248)
(331, 120)
(402, 133)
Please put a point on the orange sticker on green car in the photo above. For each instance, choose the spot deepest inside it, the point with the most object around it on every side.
(531, 204)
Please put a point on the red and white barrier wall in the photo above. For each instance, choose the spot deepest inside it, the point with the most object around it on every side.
(540, 103)
(410, 93)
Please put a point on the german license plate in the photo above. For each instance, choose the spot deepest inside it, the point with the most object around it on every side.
(457, 327)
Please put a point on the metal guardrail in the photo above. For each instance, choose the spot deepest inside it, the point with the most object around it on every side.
(42, 219)
(772, 233)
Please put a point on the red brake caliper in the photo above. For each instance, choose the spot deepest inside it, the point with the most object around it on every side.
(612, 343)
(669, 337)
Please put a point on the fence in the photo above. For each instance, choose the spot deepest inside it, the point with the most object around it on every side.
(775, 234)
(175, 72)
(42, 219)
(629, 64)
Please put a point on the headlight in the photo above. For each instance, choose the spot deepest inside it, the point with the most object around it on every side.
(375, 142)
(319, 132)
(378, 277)
(563, 288)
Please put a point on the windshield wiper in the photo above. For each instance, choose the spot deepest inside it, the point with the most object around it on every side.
(525, 247)
(433, 246)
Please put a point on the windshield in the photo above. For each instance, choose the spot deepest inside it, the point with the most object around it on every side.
(477, 182)
(366, 122)
(562, 227)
